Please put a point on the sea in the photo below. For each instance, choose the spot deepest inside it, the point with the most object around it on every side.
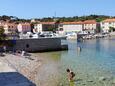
(93, 65)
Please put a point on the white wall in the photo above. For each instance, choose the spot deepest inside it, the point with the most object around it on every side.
(89, 27)
(106, 26)
(72, 28)
(38, 27)
(19, 27)
(6, 28)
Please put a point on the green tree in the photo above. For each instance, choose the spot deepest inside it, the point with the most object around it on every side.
(111, 29)
(2, 35)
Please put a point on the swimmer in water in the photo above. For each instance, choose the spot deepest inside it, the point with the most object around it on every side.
(70, 74)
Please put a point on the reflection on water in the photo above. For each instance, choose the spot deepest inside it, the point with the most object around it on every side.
(94, 65)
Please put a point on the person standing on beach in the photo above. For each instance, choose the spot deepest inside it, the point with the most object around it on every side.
(4, 48)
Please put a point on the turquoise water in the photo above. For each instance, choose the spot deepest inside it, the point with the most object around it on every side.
(95, 61)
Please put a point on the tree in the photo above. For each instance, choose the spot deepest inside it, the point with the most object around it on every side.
(111, 29)
(2, 35)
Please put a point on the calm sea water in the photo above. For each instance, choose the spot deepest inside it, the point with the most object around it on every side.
(95, 61)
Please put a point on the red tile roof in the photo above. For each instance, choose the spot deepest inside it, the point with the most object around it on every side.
(24, 23)
(90, 22)
(109, 20)
(47, 22)
(13, 24)
(80, 22)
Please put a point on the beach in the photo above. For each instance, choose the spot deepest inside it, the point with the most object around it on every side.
(38, 70)
(27, 66)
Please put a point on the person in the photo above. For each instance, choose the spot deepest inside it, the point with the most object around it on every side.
(71, 75)
(68, 74)
(4, 48)
(23, 53)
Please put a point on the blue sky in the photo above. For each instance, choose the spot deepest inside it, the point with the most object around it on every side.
(47, 8)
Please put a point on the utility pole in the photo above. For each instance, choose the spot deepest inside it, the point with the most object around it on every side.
(54, 21)
(54, 18)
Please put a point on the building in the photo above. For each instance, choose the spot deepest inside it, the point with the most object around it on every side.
(10, 27)
(37, 28)
(66, 27)
(44, 26)
(89, 26)
(2, 23)
(107, 24)
(24, 27)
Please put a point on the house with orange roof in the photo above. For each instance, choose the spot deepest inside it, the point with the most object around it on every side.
(44, 26)
(107, 24)
(9, 27)
(12, 28)
(89, 26)
(66, 27)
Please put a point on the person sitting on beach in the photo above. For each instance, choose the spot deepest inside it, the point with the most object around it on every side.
(71, 75)
(23, 53)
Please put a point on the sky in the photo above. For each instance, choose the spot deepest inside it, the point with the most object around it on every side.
(60, 8)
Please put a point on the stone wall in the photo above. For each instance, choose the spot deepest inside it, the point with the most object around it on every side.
(41, 44)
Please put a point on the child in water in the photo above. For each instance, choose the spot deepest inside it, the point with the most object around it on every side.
(71, 75)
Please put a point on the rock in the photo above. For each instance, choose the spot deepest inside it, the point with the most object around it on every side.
(94, 82)
(79, 80)
(87, 75)
(83, 84)
(102, 78)
(113, 81)
(60, 84)
(89, 80)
